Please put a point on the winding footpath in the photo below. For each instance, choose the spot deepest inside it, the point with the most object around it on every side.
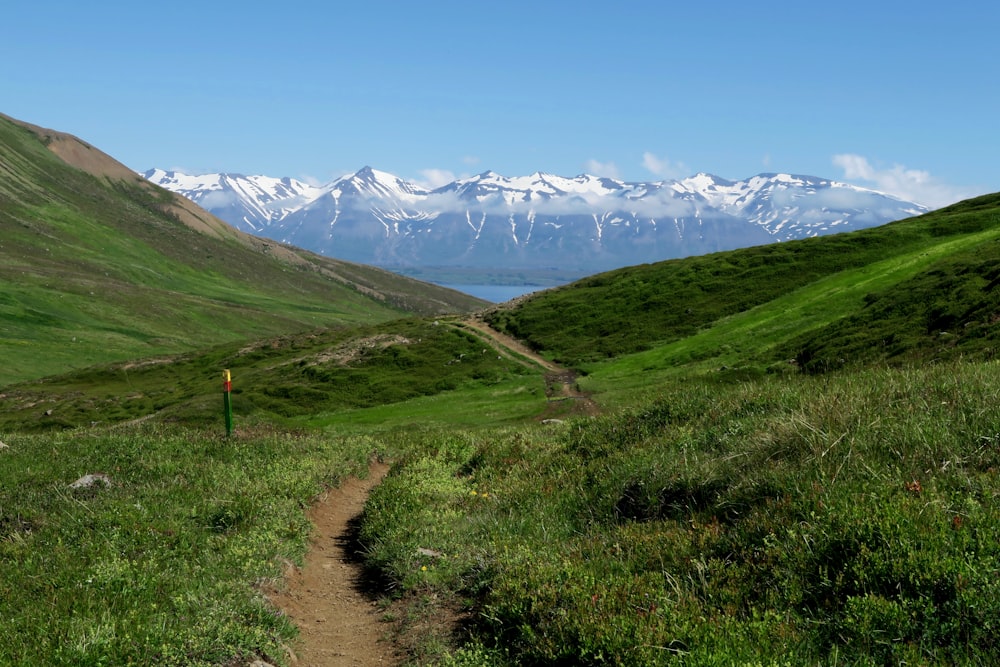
(339, 624)
(560, 383)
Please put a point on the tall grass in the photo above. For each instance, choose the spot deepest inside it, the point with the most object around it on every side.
(847, 520)
(169, 563)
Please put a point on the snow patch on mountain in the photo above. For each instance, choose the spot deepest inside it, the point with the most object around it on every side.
(585, 221)
(251, 203)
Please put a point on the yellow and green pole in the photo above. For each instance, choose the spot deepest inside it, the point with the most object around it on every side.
(227, 387)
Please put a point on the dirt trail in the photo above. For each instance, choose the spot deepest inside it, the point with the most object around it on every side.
(560, 383)
(508, 345)
(338, 623)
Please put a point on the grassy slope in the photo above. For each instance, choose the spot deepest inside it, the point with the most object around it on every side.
(735, 517)
(758, 306)
(95, 268)
(320, 377)
(850, 519)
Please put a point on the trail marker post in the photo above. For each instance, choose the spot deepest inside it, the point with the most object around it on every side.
(227, 387)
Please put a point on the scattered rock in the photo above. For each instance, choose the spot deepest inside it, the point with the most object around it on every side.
(89, 480)
(3, 445)
(429, 552)
(552, 421)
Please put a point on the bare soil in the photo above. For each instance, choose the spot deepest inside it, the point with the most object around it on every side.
(328, 598)
(560, 383)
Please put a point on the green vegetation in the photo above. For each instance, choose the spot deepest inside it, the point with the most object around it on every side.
(96, 269)
(796, 462)
(826, 279)
(844, 520)
(168, 564)
(314, 376)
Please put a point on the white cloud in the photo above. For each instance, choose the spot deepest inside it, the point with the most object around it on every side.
(663, 167)
(910, 184)
(218, 199)
(605, 169)
(309, 179)
(435, 178)
(470, 160)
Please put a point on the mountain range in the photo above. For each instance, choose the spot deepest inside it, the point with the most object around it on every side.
(97, 264)
(585, 223)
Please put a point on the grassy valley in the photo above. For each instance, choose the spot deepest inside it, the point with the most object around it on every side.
(97, 265)
(795, 460)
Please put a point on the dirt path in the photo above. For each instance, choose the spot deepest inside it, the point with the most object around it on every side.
(339, 624)
(511, 347)
(560, 383)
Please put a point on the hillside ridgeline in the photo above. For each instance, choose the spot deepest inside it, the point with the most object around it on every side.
(97, 264)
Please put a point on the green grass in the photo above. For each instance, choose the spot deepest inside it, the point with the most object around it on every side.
(319, 377)
(845, 519)
(848, 520)
(771, 337)
(515, 400)
(94, 269)
(168, 565)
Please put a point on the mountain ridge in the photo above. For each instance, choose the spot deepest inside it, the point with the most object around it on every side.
(584, 222)
(98, 264)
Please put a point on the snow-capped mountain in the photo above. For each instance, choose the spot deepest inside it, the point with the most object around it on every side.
(585, 223)
(250, 203)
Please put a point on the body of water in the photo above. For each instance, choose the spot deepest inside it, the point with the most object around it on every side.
(495, 293)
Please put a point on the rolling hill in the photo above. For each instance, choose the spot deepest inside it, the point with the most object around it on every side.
(97, 265)
(795, 461)
(914, 290)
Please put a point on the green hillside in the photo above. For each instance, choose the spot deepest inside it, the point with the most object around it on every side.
(96, 265)
(919, 288)
(784, 455)
(289, 379)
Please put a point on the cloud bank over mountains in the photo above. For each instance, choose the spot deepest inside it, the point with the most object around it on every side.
(910, 184)
(914, 185)
(586, 223)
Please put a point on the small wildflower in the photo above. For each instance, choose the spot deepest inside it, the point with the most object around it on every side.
(423, 568)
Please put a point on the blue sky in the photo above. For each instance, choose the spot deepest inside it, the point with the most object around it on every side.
(899, 96)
